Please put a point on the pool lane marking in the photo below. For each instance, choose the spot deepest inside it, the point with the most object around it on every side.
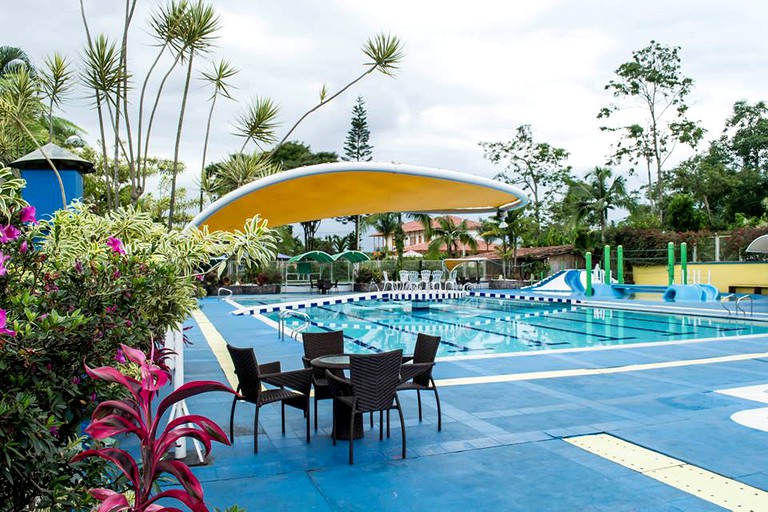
(578, 372)
(697, 481)
(218, 346)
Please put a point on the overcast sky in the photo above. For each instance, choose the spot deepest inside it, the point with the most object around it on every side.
(474, 71)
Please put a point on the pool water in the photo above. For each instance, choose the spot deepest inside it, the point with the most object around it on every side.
(475, 325)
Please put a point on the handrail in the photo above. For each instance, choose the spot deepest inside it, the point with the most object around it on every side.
(296, 314)
(226, 290)
(725, 299)
(751, 305)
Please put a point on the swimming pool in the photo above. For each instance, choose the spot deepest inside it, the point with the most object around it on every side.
(479, 326)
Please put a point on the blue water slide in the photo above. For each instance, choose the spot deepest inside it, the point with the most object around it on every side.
(573, 280)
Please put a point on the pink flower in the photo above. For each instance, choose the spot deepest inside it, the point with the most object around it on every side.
(115, 274)
(24, 247)
(79, 267)
(119, 356)
(76, 380)
(94, 397)
(8, 234)
(28, 214)
(3, 259)
(54, 431)
(116, 244)
(3, 321)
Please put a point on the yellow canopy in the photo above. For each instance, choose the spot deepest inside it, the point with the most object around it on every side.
(452, 263)
(354, 188)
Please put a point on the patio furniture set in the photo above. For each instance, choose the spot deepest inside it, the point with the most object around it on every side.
(372, 385)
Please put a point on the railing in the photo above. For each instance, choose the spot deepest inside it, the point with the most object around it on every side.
(295, 314)
(226, 290)
(730, 297)
(751, 305)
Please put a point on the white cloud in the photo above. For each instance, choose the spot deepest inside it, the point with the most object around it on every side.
(473, 72)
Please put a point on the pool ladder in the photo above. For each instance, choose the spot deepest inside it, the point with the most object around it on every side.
(293, 314)
(739, 300)
(226, 290)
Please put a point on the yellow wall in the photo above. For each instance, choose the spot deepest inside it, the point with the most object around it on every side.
(723, 274)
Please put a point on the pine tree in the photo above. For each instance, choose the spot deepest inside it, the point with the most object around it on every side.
(356, 148)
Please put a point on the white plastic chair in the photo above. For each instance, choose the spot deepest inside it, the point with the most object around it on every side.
(426, 276)
(451, 281)
(413, 280)
(403, 284)
(437, 280)
(387, 282)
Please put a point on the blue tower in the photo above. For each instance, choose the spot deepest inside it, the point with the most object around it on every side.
(42, 190)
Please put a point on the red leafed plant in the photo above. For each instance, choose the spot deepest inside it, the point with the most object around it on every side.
(135, 415)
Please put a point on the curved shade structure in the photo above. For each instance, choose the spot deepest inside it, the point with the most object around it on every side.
(759, 244)
(355, 188)
(351, 256)
(318, 256)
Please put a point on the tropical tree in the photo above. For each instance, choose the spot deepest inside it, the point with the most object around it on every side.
(384, 223)
(451, 235)
(653, 81)
(218, 77)
(11, 58)
(596, 195)
(197, 36)
(357, 149)
(538, 167)
(56, 80)
(508, 227)
(238, 170)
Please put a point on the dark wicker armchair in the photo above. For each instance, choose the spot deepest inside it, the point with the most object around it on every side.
(418, 373)
(292, 388)
(317, 344)
(372, 386)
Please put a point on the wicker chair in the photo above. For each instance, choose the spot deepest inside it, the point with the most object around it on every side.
(418, 373)
(372, 386)
(292, 388)
(317, 344)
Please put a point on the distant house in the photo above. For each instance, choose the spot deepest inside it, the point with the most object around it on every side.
(417, 241)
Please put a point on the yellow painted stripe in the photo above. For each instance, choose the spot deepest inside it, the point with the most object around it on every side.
(218, 345)
(492, 379)
(725, 492)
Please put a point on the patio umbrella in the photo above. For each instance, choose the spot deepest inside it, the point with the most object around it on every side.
(412, 254)
(318, 256)
(351, 256)
(759, 244)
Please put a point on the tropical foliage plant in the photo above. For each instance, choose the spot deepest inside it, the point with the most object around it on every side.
(136, 415)
(72, 288)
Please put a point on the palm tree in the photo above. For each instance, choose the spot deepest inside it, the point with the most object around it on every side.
(56, 81)
(12, 57)
(595, 196)
(222, 71)
(199, 28)
(384, 223)
(238, 170)
(452, 236)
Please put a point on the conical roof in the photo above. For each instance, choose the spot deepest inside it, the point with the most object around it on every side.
(61, 158)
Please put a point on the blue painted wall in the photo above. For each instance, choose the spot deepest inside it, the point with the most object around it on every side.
(42, 190)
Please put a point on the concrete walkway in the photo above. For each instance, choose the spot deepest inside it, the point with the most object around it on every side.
(506, 444)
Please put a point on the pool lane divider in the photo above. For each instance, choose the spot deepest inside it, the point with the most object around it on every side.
(694, 480)
(391, 295)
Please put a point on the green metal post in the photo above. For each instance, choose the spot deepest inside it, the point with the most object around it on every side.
(607, 263)
(620, 264)
(671, 263)
(684, 262)
(588, 259)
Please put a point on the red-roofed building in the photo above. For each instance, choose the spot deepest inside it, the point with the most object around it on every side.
(416, 240)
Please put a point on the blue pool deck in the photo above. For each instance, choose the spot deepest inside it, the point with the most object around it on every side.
(508, 427)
